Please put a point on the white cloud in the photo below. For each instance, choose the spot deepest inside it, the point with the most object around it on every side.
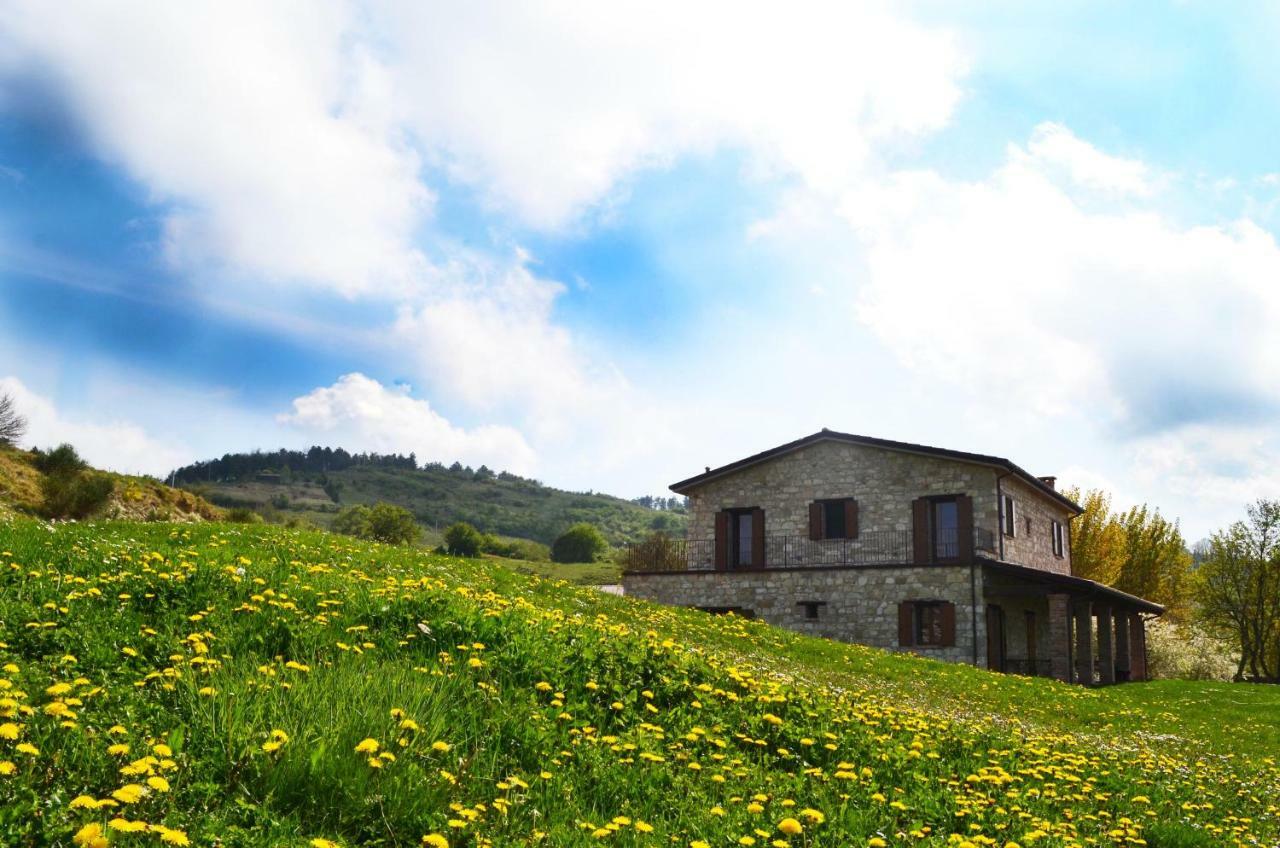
(363, 414)
(1054, 146)
(115, 445)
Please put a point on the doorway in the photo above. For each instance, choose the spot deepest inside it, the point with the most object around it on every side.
(996, 648)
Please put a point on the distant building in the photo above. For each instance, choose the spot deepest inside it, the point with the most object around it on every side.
(954, 555)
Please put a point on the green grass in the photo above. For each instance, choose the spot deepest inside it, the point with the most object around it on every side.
(578, 573)
(564, 716)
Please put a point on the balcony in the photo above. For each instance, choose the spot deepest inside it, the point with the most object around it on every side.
(883, 547)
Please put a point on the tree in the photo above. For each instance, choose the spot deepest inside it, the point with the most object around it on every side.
(13, 426)
(1238, 589)
(353, 521)
(1097, 539)
(461, 539)
(1157, 561)
(392, 524)
(580, 543)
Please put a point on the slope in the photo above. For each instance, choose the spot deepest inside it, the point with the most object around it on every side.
(231, 685)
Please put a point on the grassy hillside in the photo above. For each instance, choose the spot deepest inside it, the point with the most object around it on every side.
(437, 496)
(132, 498)
(248, 685)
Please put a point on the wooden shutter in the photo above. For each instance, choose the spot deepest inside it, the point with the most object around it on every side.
(722, 540)
(757, 538)
(906, 624)
(851, 519)
(964, 527)
(815, 521)
(920, 531)
(948, 624)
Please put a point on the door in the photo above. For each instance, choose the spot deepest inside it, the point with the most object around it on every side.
(1031, 643)
(995, 638)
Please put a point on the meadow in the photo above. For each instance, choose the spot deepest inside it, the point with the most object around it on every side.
(248, 685)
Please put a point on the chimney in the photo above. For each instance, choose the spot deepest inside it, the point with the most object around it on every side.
(1050, 481)
(708, 469)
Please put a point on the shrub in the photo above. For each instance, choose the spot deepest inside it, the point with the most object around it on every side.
(12, 424)
(76, 495)
(392, 524)
(580, 543)
(61, 461)
(243, 515)
(1186, 652)
(462, 539)
(353, 521)
(525, 549)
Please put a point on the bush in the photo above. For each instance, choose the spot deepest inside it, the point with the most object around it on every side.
(383, 522)
(1186, 652)
(243, 515)
(525, 549)
(392, 524)
(61, 461)
(76, 495)
(462, 539)
(580, 543)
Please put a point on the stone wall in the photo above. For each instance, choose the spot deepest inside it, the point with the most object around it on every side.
(1034, 547)
(860, 604)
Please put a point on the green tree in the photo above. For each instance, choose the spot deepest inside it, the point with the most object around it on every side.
(580, 543)
(392, 524)
(1157, 562)
(1238, 589)
(1098, 542)
(353, 521)
(461, 539)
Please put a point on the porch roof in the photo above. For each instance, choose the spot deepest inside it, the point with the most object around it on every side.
(1073, 585)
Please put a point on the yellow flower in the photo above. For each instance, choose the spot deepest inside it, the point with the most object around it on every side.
(813, 815)
(368, 746)
(790, 827)
(324, 843)
(119, 749)
(85, 801)
(27, 748)
(435, 840)
(171, 836)
(90, 836)
(699, 843)
(643, 827)
(126, 826)
(159, 784)
(130, 793)
(9, 730)
(440, 746)
(7, 768)
(876, 842)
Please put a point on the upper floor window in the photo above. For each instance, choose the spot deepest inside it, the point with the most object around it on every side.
(833, 518)
(742, 532)
(1008, 518)
(946, 529)
(1055, 538)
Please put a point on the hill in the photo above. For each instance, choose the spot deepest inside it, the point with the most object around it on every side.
(252, 686)
(315, 485)
(22, 491)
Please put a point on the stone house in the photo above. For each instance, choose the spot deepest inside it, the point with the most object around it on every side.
(959, 556)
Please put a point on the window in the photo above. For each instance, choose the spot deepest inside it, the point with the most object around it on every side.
(811, 608)
(1010, 521)
(742, 527)
(833, 520)
(1055, 537)
(946, 529)
(1028, 520)
(928, 623)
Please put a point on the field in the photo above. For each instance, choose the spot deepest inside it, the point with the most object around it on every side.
(247, 685)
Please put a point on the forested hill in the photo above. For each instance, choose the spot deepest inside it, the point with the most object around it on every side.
(317, 483)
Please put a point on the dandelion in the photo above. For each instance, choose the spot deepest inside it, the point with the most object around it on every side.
(130, 793)
(90, 836)
(158, 783)
(127, 826)
(9, 730)
(324, 843)
(790, 826)
(440, 746)
(367, 746)
(27, 748)
(435, 840)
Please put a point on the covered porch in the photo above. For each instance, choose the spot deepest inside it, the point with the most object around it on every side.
(1069, 628)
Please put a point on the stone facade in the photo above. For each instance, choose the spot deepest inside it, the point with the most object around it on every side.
(857, 604)
(1034, 546)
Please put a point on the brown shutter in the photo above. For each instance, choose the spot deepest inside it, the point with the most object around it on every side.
(851, 519)
(722, 540)
(920, 531)
(906, 628)
(815, 521)
(757, 538)
(964, 522)
(948, 624)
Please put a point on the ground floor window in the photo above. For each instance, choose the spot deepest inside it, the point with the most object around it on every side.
(929, 623)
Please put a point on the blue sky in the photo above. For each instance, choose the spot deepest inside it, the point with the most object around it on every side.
(607, 249)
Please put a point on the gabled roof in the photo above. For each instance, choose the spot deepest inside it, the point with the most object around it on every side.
(685, 486)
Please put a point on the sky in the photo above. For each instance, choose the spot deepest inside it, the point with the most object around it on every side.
(606, 245)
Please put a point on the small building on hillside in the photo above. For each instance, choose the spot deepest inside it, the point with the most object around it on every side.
(959, 556)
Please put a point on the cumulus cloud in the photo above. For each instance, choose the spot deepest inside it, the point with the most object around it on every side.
(115, 445)
(1053, 303)
(359, 411)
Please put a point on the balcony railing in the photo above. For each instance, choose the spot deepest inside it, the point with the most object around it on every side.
(883, 547)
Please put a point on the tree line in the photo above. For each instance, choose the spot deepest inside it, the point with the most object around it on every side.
(319, 460)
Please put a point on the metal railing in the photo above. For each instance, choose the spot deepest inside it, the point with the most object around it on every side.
(881, 547)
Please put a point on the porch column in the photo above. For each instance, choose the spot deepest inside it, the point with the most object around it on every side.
(1122, 646)
(1084, 643)
(1137, 648)
(1060, 637)
(1106, 659)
